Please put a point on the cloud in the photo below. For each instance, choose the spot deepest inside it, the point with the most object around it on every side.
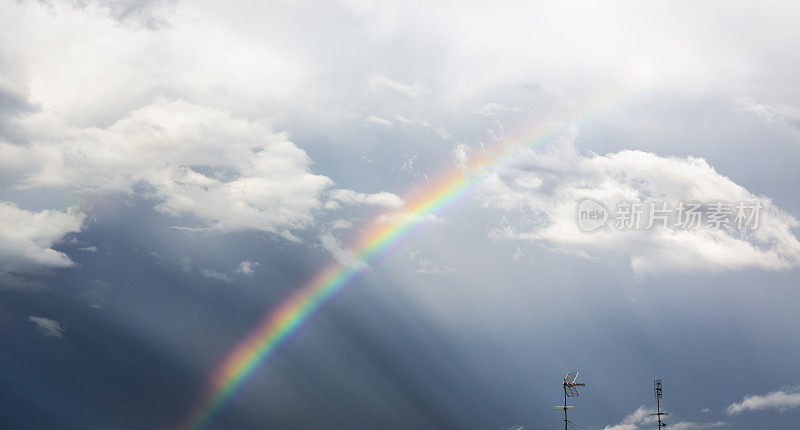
(48, 327)
(431, 267)
(779, 400)
(97, 293)
(545, 189)
(183, 126)
(493, 109)
(399, 218)
(343, 255)
(641, 418)
(152, 14)
(384, 85)
(383, 199)
(332, 205)
(417, 122)
(27, 238)
(460, 155)
(771, 113)
(408, 165)
(230, 174)
(688, 425)
(340, 224)
(248, 268)
(379, 121)
(215, 275)
(632, 421)
(186, 264)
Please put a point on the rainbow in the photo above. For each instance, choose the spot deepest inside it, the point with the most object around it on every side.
(288, 319)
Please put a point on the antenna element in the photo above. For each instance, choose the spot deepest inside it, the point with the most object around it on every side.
(570, 387)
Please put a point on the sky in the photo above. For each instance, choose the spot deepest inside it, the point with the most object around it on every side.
(607, 188)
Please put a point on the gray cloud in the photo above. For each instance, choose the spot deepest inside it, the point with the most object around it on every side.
(215, 275)
(48, 327)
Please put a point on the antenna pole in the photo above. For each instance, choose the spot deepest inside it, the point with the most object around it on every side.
(658, 404)
(657, 390)
(565, 408)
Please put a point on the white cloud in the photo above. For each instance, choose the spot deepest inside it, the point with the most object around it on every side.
(340, 224)
(689, 425)
(417, 122)
(215, 275)
(631, 422)
(771, 113)
(48, 327)
(180, 125)
(547, 187)
(460, 155)
(149, 13)
(399, 218)
(27, 238)
(332, 205)
(384, 85)
(383, 199)
(408, 165)
(231, 174)
(779, 400)
(641, 418)
(493, 109)
(379, 121)
(342, 254)
(430, 267)
(248, 268)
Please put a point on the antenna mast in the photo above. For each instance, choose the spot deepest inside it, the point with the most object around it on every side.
(570, 390)
(657, 390)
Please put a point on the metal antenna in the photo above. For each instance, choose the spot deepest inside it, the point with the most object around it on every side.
(657, 390)
(570, 390)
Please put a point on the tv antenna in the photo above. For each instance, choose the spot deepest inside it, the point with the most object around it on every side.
(570, 390)
(657, 390)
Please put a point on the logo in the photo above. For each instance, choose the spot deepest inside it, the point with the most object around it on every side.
(591, 215)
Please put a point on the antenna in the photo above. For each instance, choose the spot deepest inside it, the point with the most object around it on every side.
(570, 390)
(657, 390)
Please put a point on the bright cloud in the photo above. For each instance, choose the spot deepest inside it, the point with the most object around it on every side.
(771, 113)
(547, 187)
(27, 238)
(179, 127)
(383, 199)
(779, 400)
(230, 173)
(341, 253)
(248, 268)
(385, 85)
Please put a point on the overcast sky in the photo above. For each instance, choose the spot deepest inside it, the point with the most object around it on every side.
(171, 171)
